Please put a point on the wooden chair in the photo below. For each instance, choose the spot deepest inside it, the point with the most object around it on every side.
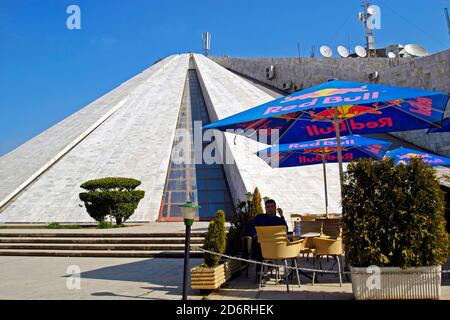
(327, 247)
(332, 228)
(275, 245)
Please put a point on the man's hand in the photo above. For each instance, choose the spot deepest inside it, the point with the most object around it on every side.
(280, 212)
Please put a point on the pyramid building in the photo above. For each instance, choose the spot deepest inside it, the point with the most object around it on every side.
(134, 131)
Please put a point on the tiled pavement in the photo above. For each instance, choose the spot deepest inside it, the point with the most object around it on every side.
(46, 278)
(123, 278)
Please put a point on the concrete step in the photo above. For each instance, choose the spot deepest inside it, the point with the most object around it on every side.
(105, 254)
(100, 240)
(95, 247)
(96, 235)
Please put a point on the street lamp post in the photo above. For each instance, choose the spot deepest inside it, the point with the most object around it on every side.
(189, 211)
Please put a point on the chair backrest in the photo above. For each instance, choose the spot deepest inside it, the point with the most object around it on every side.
(332, 228)
(274, 243)
(311, 226)
(308, 218)
(326, 246)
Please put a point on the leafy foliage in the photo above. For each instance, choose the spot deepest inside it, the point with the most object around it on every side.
(393, 216)
(111, 196)
(109, 184)
(215, 239)
(256, 203)
(238, 224)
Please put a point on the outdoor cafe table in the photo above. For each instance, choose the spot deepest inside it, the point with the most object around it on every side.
(310, 235)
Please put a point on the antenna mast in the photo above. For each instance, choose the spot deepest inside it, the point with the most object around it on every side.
(365, 17)
(206, 42)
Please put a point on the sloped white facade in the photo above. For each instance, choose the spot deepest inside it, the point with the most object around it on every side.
(296, 190)
(129, 132)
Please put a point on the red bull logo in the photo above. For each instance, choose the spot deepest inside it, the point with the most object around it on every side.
(348, 156)
(326, 93)
(344, 112)
(330, 143)
(325, 150)
(375, 148)
(354, 126)
(324, 99)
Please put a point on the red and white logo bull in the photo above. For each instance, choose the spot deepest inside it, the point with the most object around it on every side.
(326, 93)
(324, 96)
(344, 112)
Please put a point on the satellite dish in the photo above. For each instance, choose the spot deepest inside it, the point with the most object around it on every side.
(326, 51)
(391, 55)
(343, 52)
(360, 51)
(371, 10)
(416, 50)
(402, 53)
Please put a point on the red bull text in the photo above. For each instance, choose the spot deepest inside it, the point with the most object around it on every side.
(330, 157)
(353, 125)
(326, 93)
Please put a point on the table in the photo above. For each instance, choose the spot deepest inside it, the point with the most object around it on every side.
(310, 235)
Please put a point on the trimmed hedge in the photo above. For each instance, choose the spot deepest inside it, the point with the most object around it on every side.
(108, 184)
(215, 239)
(111, 196)
(393, 216)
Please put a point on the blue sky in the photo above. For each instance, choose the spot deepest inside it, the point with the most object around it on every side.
(47, 72)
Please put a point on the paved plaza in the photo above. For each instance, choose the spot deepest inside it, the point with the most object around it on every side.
(48, 278)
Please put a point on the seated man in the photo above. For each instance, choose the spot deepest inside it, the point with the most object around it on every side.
(268, 219)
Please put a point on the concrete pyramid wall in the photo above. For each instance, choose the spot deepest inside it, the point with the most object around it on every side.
(129, 132)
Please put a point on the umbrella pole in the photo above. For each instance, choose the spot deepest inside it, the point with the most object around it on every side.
(339, 149)
(325, 181)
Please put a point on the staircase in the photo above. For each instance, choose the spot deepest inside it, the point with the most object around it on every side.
(130, 245)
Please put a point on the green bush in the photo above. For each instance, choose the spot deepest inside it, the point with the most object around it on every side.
(393, 216)
(238, 228)
(109, 184)
(54, 225)
(256, 203)
(111, 196)
(215, 239)
(238, 224)
(104, 225)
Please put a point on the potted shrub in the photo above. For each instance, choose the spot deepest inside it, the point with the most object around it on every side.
(213, 273)
(115, 197)
(237, 244)
(393, 222)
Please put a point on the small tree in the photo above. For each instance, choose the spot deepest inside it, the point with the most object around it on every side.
(215, 239)
(256, 207)
(111, 196)
(393, 216)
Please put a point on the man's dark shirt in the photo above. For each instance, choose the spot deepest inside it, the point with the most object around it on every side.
(264, 220)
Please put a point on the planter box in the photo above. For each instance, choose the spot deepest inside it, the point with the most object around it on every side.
(205, 278)
(397, 283)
